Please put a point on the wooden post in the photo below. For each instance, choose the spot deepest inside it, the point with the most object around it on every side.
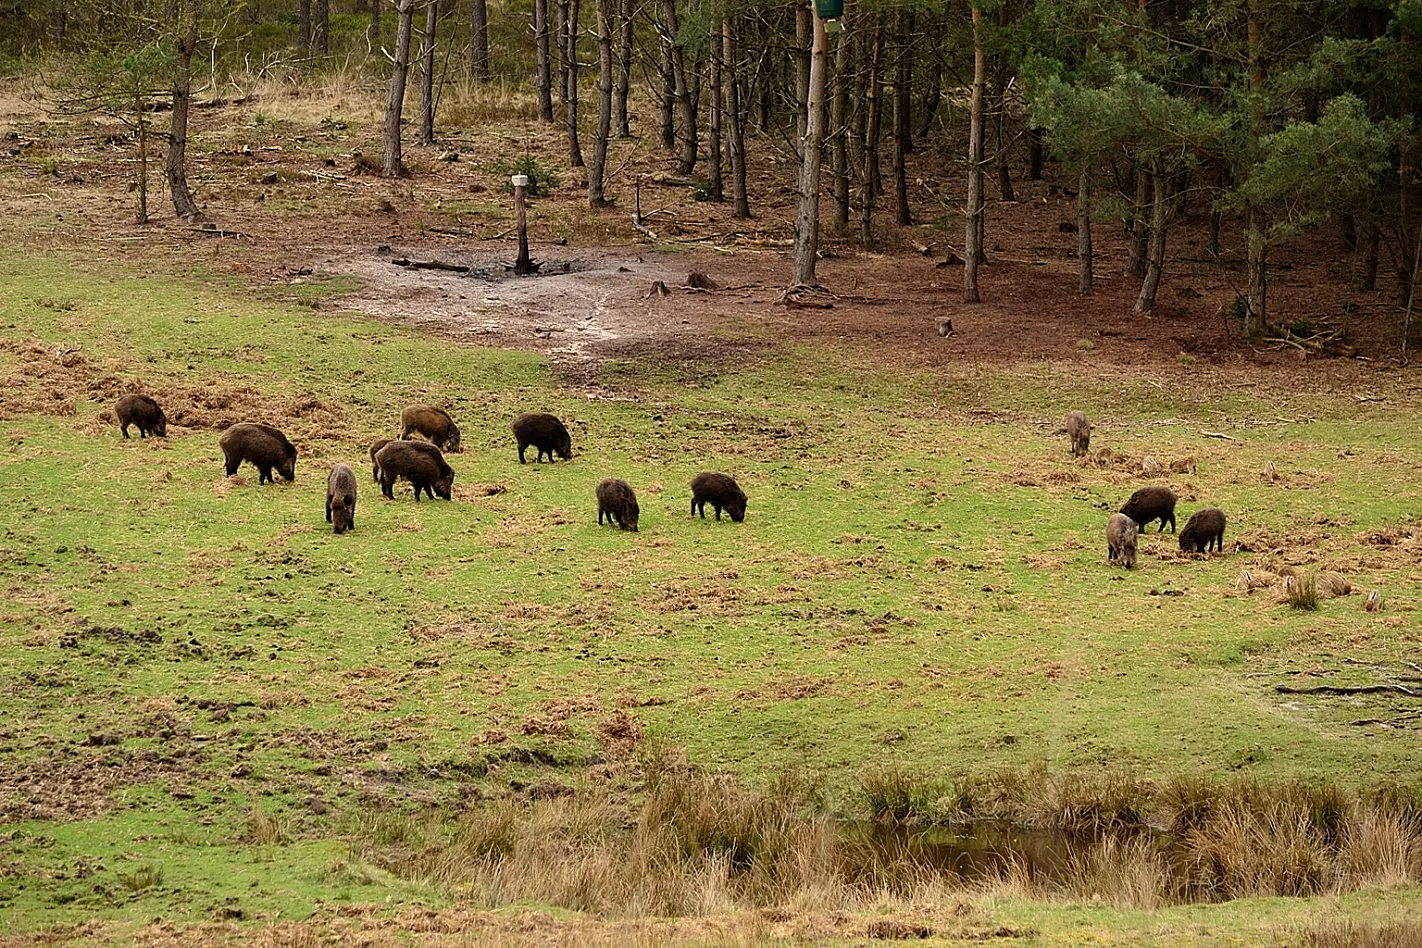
(523, 266)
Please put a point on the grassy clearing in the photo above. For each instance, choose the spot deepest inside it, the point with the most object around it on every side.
(202, 685)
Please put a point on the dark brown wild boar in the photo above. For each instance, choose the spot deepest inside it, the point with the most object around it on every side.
(1151, 503)
(421, 464)
(264, 446)
(616, 499)
(544, 432)
(433, 423)
(1204, 529)
(341, 498)
(1121, 540)
(375, 447)
(1079, 430)
(140, 410)
(720, 491)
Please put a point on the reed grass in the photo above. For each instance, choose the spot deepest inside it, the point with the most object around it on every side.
(700, 843)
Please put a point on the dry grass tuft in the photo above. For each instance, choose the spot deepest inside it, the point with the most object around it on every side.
(1301, 591)
(1349, 934)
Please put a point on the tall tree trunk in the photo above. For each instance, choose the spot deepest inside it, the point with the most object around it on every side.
(570, 97)
(1212, 238)
(560, 52)
(1140, 228)
(973, 235)
(543, 69)
(1034, 154)
(479, 39)
(804, 40)
(142, 182)
(903, 73)
(373, 30)
(1372, 238)
(1155, 254)
(666, 94)
(321, 28)
(933, 92)
(596, 170)
(621, 126)
(875, 120)
(686, 141)
(735, 122)
(1407, 234)
(764, 96)
(1085, 282)
(839, 128)
(713, 124)
(1348, 232)
(807, 217)
(61, 28)
(1004, 172)
(393, 167)
(1256, 317)
(427, 67)
(175, 168)
(303, 25)
(1257, 251)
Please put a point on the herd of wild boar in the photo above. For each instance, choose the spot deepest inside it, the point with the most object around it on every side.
(421, 462)
(1203, 531)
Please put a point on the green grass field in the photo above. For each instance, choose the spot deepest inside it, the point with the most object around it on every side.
(200, 684)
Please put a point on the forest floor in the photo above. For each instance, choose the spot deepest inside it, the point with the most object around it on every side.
(208, 703)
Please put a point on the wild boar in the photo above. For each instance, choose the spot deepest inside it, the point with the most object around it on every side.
(616, 499)
(719, 490)
(1121, 540)
(1151, 503)
(341, 498)
(421, 464)
(1203, 531)
(1079, 430)
(264, 446)
(433, 423)
(375, 447)
(544, 432)
(140, 410)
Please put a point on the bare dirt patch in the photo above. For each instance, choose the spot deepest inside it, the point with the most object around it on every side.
(77, 783)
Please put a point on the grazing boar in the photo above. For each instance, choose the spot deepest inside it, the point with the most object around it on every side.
(720, 491)
(433, 423)
(1151, 503)
(616, 499)
(1079, 430)
(1204, 529)
(421, 464)
(341, 498)
(375, 447)
(544, 432)
(1121, 540)
(143, 412)
(264, 446)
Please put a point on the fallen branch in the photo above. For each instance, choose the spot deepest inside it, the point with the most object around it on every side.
(723, 236)
(430, 265)
(1347, 690)
(219, 232)
(1217, 434)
